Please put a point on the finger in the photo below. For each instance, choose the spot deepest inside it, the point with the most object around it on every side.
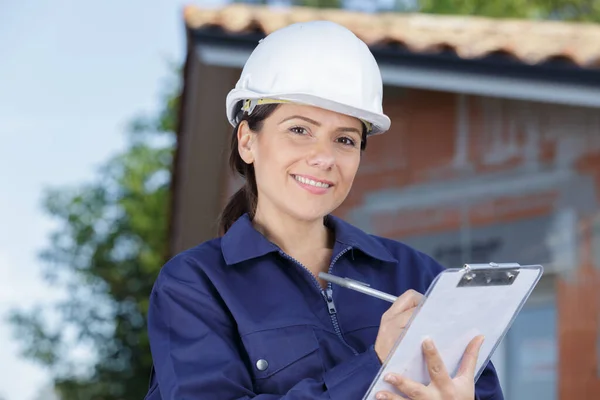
(470, 357)
(396, 323)
(412, 389)
(401, 320)
(409, 299)
(392, 326)
(388, 396)
(435, 365)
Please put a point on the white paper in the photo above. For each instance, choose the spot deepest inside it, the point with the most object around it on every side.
(452, 316)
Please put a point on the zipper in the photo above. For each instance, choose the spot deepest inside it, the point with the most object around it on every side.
(304, 268)
(327, 294)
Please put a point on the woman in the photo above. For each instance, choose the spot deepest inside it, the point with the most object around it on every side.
(245, 315)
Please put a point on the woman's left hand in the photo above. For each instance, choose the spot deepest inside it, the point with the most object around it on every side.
(442, 386)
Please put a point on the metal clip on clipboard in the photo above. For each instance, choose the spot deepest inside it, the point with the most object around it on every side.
(491, 274)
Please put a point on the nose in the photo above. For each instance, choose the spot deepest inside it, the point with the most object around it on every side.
(322, 156)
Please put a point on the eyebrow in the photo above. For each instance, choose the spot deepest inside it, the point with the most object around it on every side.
(312, 121)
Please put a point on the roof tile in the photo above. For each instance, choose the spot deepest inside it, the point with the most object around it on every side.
(530, 42)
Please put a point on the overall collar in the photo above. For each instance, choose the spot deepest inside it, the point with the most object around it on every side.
(243, 242)
(356, 238)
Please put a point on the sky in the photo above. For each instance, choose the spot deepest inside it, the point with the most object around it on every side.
(72, 75)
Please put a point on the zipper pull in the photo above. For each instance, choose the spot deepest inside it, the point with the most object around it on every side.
(328, 293)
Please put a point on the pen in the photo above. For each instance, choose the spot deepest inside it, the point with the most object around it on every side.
(358, 286)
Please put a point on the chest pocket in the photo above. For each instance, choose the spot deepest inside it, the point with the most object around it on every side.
(282, 357)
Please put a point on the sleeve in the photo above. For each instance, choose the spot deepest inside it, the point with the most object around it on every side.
(196, 352)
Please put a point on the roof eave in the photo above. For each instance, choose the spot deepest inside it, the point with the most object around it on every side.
(497, 75)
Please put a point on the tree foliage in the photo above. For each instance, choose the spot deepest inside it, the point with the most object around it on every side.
(568, 10)
(109, 244)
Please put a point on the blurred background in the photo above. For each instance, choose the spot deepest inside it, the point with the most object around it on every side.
(112, 139)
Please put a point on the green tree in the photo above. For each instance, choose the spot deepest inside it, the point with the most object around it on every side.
(568, 10)
(109, 245)
(320, 3)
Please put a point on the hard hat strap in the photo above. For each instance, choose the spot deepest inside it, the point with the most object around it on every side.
(250, 104)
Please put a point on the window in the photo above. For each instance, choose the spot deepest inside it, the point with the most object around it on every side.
(531, 352)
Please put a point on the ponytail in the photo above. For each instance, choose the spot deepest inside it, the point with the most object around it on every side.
(245, 199)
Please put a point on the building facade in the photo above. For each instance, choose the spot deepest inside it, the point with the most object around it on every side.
(506, 181)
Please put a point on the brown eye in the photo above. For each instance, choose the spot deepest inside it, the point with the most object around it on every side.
(347, 141)
(298, 130)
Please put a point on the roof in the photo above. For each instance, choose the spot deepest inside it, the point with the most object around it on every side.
(529, 42)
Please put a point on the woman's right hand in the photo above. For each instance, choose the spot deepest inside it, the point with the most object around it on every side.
(394, 320)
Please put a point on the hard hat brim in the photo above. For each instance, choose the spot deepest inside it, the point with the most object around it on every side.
(380, 122)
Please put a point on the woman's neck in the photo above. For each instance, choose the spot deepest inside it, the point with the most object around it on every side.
(293, 236)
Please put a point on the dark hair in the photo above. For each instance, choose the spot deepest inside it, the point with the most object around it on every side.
(245, 199)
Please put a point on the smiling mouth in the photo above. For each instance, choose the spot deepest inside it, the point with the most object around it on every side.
(311, 182)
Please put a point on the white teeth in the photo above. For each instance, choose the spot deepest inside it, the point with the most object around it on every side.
(311, 182)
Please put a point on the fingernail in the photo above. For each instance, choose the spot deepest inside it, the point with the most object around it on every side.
(428, 344)
(390, 379)
(381, 396)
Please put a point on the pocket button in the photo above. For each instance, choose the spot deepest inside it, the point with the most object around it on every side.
(262, 364)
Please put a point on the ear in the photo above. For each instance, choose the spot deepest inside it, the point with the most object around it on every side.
(245, 138)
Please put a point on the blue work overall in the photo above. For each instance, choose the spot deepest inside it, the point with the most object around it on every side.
(237, 318)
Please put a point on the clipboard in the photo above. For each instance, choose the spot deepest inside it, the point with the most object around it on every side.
(460, 304)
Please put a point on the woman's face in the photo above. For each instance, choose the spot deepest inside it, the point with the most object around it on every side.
(305, 160)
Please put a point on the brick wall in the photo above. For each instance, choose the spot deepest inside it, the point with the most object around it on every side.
(442, 144)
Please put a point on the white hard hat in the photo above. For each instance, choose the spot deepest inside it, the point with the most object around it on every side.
(317, 63)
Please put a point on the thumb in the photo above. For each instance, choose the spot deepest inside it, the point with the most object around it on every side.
(470, 357)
